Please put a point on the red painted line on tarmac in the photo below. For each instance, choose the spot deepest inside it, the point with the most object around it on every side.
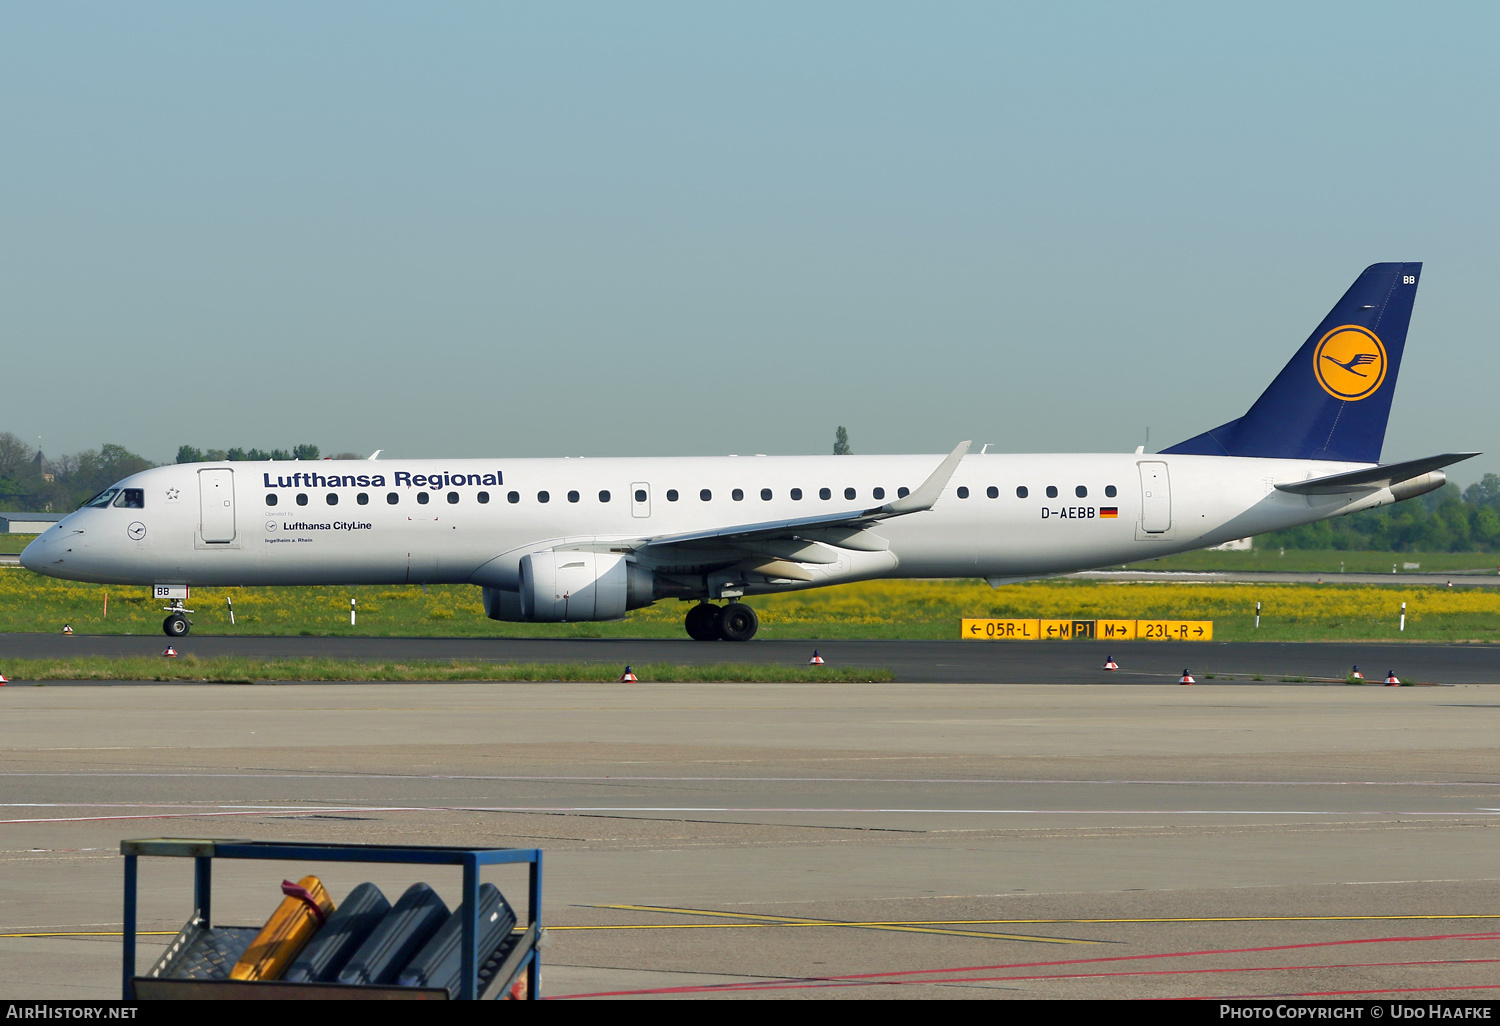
(859, 979)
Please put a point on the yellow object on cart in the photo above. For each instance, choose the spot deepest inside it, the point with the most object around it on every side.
(296, 920)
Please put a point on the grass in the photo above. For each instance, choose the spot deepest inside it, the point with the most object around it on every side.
(15, 542)
(1324, 561)
(234, 670)
(872, 609)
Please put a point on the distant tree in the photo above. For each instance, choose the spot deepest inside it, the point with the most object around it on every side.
(305, 452)
(1484, 492)
(187, 454)
(347, 456)
(841, 442)
(15, 456)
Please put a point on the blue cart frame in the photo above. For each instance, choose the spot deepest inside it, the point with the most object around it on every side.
(203, 853)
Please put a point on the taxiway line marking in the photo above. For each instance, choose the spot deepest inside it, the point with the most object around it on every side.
(893, 927)
(945, 981)
(982, 922)
(903, 975)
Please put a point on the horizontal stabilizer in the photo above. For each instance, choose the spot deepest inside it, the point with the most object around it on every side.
(1374, 477)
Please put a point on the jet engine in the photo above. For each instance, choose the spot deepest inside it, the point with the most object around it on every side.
(572, 586)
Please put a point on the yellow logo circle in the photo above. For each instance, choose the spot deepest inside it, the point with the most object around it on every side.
(1349, 362)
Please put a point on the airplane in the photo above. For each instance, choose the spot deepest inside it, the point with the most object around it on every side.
(577, 539)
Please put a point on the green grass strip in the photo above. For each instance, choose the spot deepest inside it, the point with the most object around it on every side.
(236, 670)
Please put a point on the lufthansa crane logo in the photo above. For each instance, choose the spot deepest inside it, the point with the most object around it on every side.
(1350, 362)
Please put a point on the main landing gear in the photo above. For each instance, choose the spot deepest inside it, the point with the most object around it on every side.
(734, 622)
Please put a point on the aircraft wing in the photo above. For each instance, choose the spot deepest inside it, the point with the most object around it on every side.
(1382, 476)
(786, 539)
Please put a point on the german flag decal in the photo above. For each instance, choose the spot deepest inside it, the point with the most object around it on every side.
(1109, 512)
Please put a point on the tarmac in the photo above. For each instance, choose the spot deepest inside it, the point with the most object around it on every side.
(933, 839)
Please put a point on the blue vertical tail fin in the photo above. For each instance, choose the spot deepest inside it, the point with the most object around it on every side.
(1332, 401)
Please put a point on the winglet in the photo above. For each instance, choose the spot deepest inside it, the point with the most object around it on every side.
(926, 497)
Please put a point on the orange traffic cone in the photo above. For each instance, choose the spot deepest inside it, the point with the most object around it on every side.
(627, 676)
(172, 652)
(816, 659)
(1356, 675)
(1187, 678)
(1391, 680)
(1110, 664)
(67, 628)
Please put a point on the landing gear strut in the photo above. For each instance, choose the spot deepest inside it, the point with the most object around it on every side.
(734, 622)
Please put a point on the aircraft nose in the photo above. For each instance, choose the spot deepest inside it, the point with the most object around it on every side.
(34, 555)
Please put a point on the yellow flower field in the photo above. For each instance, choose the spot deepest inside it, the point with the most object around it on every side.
(875, 609)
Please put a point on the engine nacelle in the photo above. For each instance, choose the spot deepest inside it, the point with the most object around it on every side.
(572, 586)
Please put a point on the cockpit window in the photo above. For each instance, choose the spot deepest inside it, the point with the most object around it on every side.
(131, 498)
(102, 499)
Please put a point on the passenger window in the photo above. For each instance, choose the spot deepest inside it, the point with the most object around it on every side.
(392, 498)
(604, 497)
(963, 492)
(765, 495)
(671, 494)
(452, 498)
(332, 498)
(849, 493)
(363, 498)
(1109, 490)
(879, 493)
(483, 497)
(796, 494)
(738, 495)
(902, 492)
(1052, 491)
(1022, 491)
(270, 498)
(543, 497)
(302, 498)
(422, 498)
(992, 492)
(512, 497)
(824, 493)
(640, 495)
(1081, 492)
(572, 496)
(705, 495)
(131, 498)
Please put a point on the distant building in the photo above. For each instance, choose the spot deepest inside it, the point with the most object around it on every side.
(28, 523)
(44, 467)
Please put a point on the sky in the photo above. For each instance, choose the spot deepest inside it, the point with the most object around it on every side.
(487, 229)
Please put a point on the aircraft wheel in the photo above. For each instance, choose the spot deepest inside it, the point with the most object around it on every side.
(703, 622)
(175, 626)
(738, 622)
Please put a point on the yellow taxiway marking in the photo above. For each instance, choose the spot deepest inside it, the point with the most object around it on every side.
(937, 926)
(93, 933)
(895, 926)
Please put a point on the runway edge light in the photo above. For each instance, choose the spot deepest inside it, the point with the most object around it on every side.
(816, 659)
(1110, 664)
(1187, 678)
(627, 676)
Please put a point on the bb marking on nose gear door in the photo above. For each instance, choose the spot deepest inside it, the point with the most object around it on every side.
(216, 505)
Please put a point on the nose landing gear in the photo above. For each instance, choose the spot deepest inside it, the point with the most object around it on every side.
(734, 622)
(176, 625)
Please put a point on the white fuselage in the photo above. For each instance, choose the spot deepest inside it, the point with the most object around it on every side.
(287, 523)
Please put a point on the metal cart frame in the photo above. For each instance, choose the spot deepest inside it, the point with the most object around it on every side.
(524, 954)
